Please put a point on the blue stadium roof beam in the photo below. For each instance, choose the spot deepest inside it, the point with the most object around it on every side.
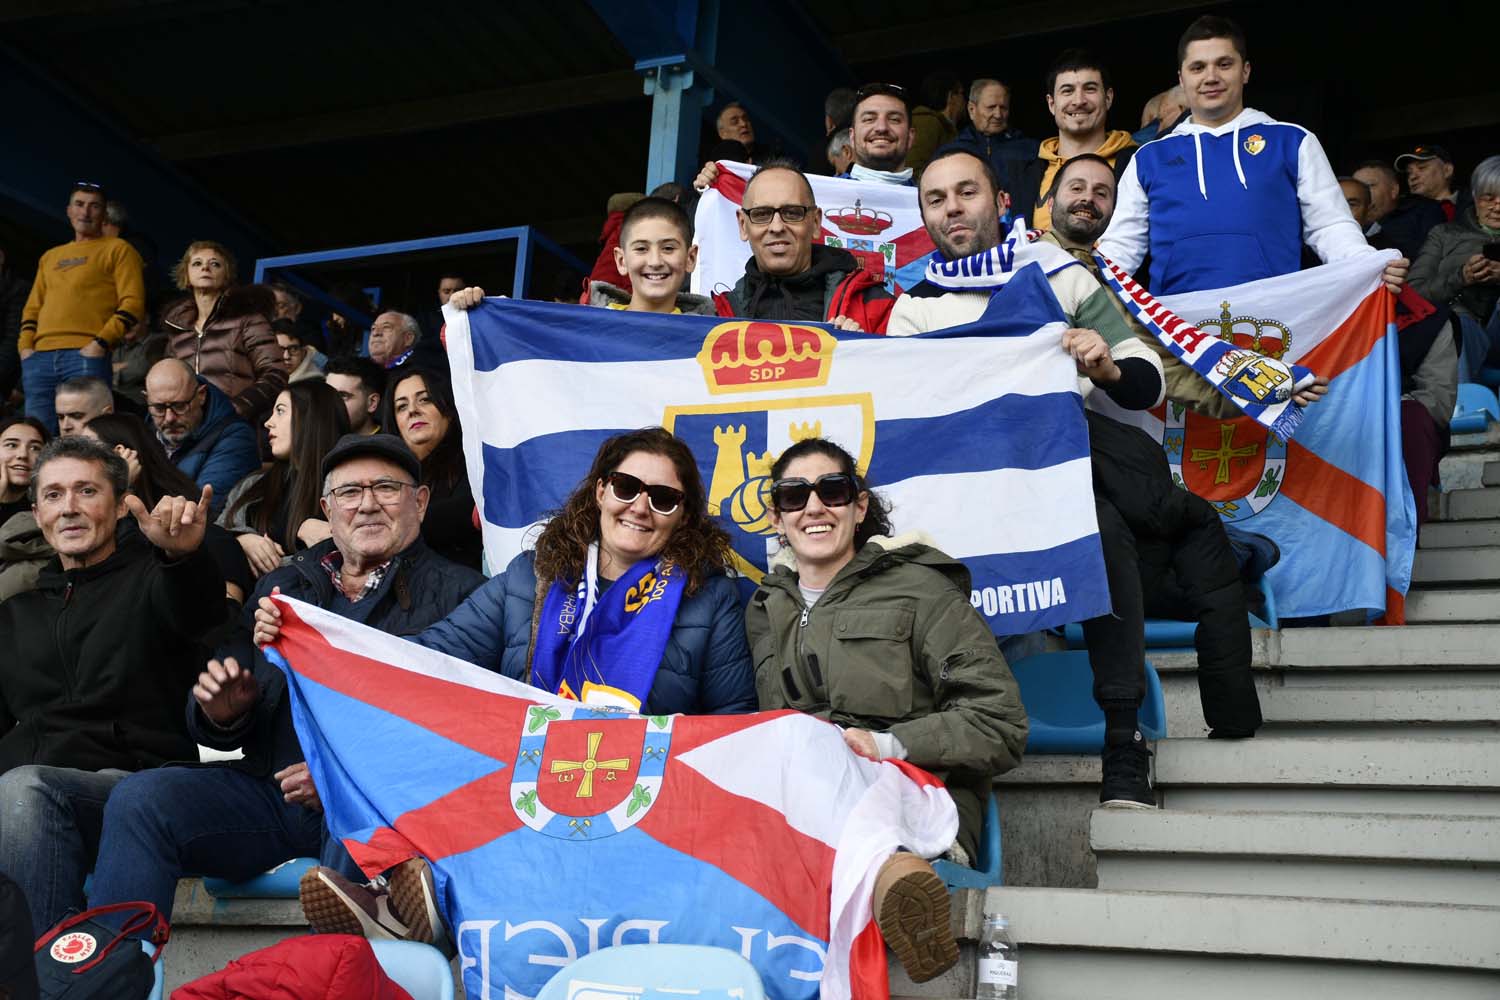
(699, 55)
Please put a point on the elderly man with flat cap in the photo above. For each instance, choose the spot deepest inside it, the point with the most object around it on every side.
(238, 818)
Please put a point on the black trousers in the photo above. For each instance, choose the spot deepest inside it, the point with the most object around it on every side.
(1166, 554)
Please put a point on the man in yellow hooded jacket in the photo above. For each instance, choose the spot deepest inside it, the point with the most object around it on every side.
(1079, 97)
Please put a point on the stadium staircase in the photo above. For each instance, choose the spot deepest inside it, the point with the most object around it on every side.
(1350, 850)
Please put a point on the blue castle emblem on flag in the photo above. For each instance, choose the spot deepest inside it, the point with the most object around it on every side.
(583, 774)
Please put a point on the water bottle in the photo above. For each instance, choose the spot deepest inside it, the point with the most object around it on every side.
(999, 965)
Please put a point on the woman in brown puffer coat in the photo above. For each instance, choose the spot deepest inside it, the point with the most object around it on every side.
(224, 331)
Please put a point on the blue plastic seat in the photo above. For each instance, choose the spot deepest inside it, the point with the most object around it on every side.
(156, 967)
(1477, 406)
(1169, 634)
(658, 972)
(986, 870)
(278, 883)
(1058, 692)
(419, 969)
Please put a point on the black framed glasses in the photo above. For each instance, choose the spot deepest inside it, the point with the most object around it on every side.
(177, 406)
(387, 493)
(836, 489)
(761, 214)
(625, 488)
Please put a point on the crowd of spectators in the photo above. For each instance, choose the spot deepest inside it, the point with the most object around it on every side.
(168, 470)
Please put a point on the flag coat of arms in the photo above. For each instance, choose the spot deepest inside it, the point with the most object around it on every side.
(879, 223)
(1335, 497)
(554, 829)
(974, 434)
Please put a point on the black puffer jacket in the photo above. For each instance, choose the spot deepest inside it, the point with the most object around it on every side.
(99, 659)
(419, 588)
(801, 297)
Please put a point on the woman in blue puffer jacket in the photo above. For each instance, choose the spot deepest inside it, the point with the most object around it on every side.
(624, 601)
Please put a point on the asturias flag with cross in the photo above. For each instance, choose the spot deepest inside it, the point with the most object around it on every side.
(554, 829)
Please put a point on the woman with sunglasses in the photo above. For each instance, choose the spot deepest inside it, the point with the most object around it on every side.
(624, 601)
(876, 634)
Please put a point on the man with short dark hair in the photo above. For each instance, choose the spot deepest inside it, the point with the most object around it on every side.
(1079, 96)
(1394, 221)
(99, 659)
(237, 818)
(838, 108)
(360, 383)
(87, 293)
(199, 429)
(1429, 174)
(882, 134)
(960, 207)
(789, 278)
(80, 400)
(299, 357)
(1232, 194)
(989, 132)
(447, 285)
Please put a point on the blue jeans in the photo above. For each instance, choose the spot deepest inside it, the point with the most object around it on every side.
(50, 818)
(44, 371)
(182, 821)
(1480, 342)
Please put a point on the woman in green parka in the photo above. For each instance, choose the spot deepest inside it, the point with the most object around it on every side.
(875, 633)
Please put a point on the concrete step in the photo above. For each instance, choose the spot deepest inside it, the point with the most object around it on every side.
(1044, 820)
(1491, 474)
(1472, 565)
(1379, 647)
(1429, 605)
(1171, 946)
(1392, 711)
(1459, 534)
(1422, 775)
(1421, 859)
(1471, 505)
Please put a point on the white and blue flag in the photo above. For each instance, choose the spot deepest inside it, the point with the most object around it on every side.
(975, 434)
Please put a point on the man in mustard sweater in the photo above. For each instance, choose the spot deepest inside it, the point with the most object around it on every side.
(87, 293)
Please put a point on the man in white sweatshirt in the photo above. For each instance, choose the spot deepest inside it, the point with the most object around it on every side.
(1231, 194)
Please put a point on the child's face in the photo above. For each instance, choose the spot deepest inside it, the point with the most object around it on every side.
(657, 257)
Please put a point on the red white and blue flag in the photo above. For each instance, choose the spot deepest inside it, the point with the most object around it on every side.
(877, 222)
(554, 829)
(1335, 498)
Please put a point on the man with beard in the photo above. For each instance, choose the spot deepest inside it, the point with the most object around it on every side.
(1079, 97)
(960, 202)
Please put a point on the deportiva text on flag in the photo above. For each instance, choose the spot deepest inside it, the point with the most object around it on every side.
(974, 434)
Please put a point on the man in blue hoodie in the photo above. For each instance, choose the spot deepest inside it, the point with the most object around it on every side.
(199, 429)
(1230, 195)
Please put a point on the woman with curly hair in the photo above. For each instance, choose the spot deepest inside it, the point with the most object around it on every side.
(624, 602)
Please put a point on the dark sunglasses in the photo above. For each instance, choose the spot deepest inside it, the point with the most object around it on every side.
(87, 186)
(834, 490)
(761, 214)
(625, 488)
(871, 89)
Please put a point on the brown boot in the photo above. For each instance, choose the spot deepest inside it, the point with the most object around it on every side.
(911, 908)
(414, 901)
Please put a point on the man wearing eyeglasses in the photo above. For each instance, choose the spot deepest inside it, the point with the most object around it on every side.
(238, 818)
(199, 429)
(789, 278)
(86, 295)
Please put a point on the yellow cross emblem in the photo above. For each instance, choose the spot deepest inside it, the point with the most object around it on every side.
(589, 765)
(1225, 452)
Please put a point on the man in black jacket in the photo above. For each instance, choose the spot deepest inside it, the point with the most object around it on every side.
(100, 656)
(239, 818)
